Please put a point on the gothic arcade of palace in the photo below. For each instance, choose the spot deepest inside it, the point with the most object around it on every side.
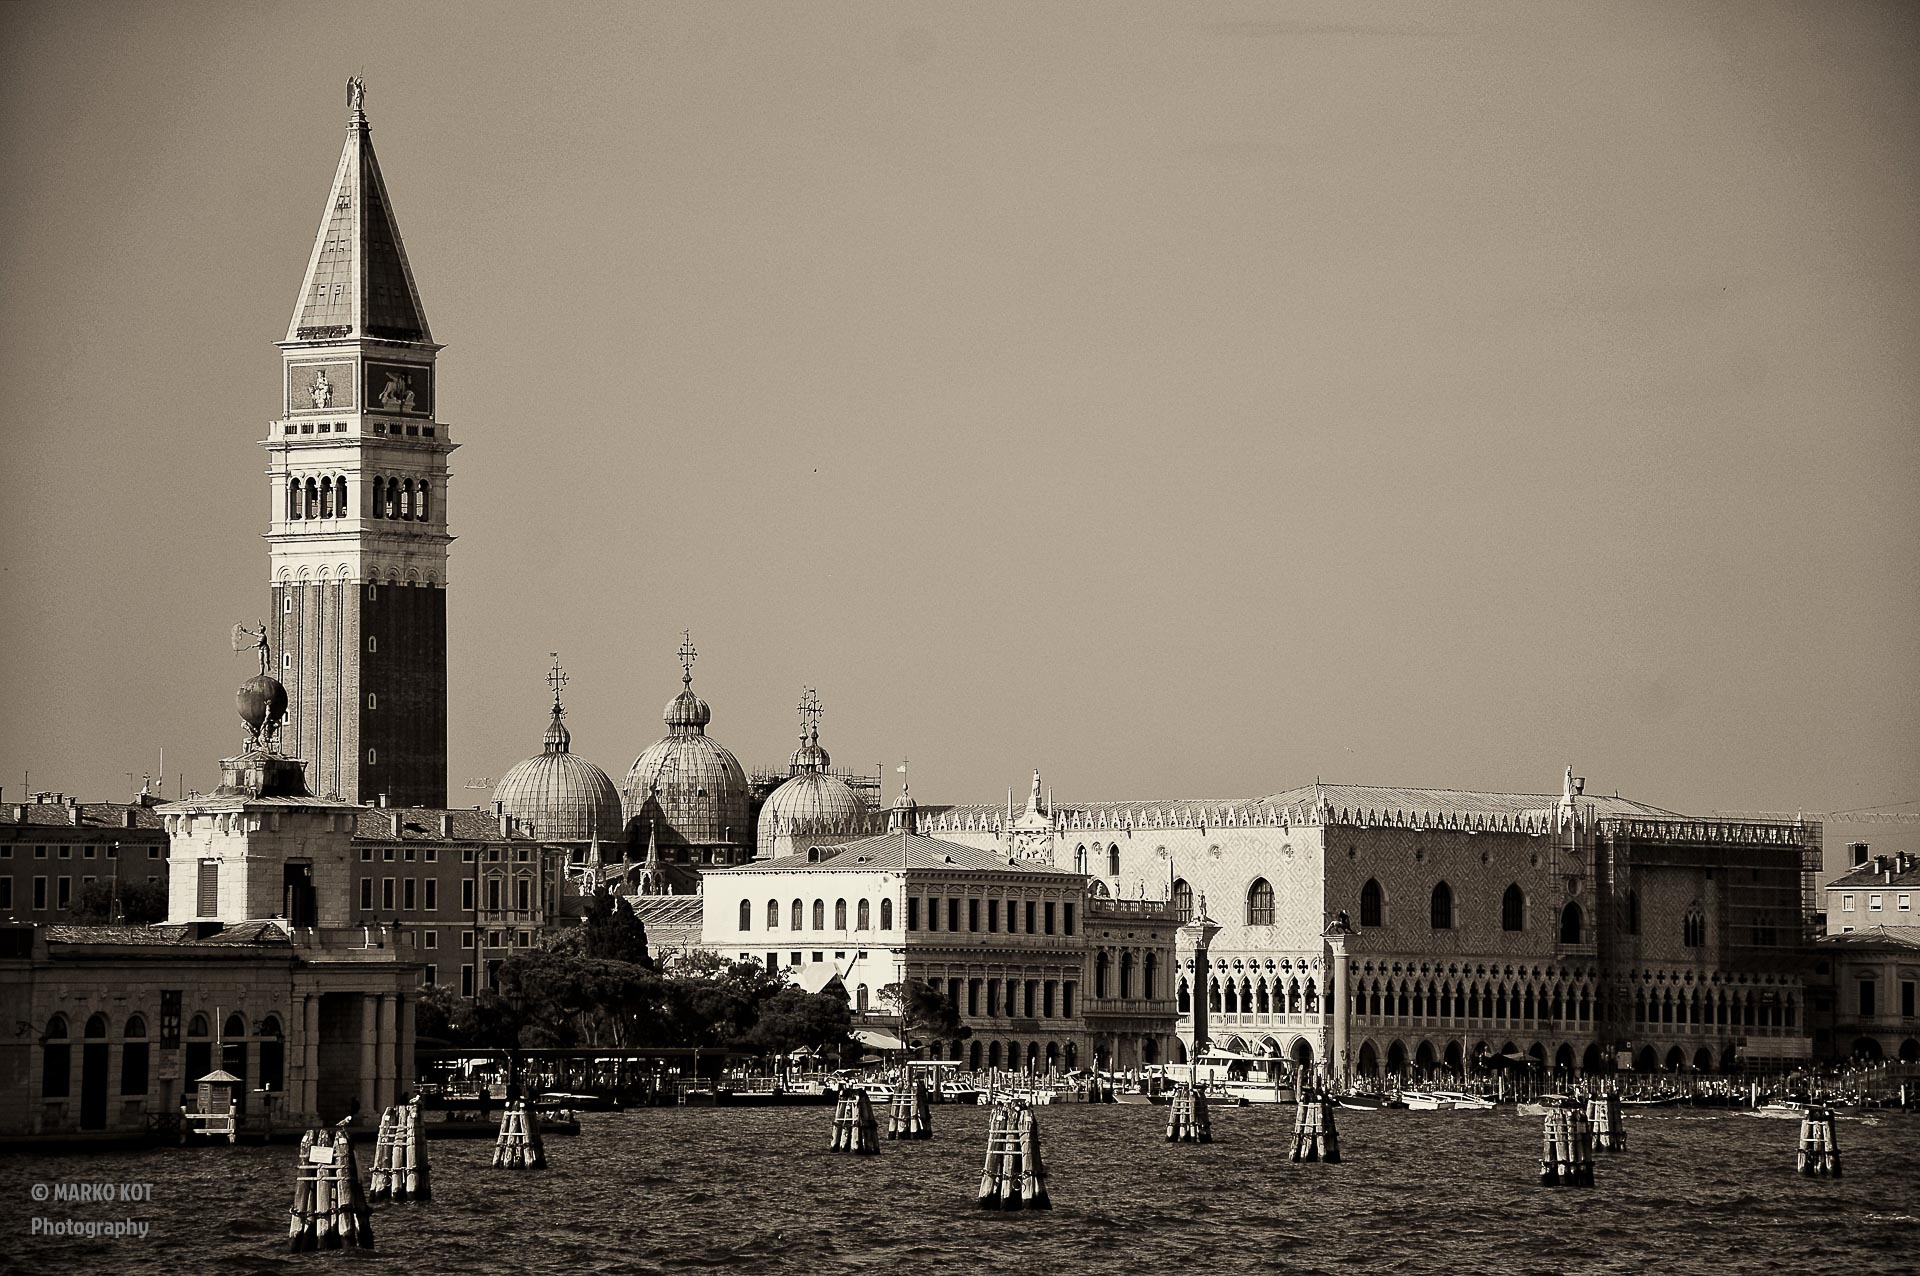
(1362, 928)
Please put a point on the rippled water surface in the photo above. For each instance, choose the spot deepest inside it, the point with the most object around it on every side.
(675, 1190)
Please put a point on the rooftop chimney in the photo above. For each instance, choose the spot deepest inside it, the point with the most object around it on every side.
(393, 819)
(1859, 850)
(126, 818)
(446, 824)
(73, 812)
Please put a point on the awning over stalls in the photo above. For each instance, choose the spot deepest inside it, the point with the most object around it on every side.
(875, 1039)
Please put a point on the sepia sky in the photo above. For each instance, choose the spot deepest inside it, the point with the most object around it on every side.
(1188, 400)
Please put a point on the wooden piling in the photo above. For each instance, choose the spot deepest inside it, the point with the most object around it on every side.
(910, 1115)
(519, 1146)
(1609, 1129)
(330, 1209)
(854, 1127)
(1819, 1146)
(1315, 1135)
(400, 1170)
(1566, 1149)
(1188, 1120)
(1014, 1176)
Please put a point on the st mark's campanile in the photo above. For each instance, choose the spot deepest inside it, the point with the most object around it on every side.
(358, 476)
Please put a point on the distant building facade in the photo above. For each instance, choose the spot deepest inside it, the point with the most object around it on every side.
(53, 848)
(1580, 930)
(1867, 966)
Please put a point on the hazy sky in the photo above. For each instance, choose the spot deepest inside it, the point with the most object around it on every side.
(1185, 399)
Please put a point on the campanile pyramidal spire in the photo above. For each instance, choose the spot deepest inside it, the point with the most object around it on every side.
(358, 468)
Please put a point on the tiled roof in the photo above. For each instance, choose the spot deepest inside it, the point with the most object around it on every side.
(119, 934)
(667, 910)
(1885, 871)
(1898, 936)
(92, 815)
(1460, 801)
(1297, 805)
(891, 851)
(172, 935)
(358, 283)
(422, 824)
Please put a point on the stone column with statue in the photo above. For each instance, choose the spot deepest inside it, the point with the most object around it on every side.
(1196, 939)
(1336, 1006)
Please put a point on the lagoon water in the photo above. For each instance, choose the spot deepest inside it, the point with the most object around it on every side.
(679, 1190)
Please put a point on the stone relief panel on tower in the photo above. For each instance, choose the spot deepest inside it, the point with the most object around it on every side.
(320, 386)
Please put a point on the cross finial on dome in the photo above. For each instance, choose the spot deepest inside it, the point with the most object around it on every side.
(687, 656)
(556, 678)
(809, 712)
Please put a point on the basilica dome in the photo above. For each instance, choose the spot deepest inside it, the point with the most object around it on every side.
(812, 803)
(559, 796)
(687, 790)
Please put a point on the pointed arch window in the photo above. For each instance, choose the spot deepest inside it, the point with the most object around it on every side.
(819, 914)
(1440, 908)
(862, 917)
(1571, 923)
(773, 914)
(1693, 928)
(1260, 903)
(1113, 860)
(1372, 908)
(1513, 908)
(799, 914)
(886, 914)
(746, 915)
(1080, 859)
(1182, 900)
(839, 914)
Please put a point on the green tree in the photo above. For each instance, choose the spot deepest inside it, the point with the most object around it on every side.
(611, 931)
(928, 1014)
(141, 903)
(794, 1017)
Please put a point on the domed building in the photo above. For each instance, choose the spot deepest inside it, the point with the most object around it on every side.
(555, 794)
(687, 792)
(813, 805)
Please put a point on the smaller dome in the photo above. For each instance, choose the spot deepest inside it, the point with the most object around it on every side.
(558, 739)
(808, 805)
(687, 712)
(809, 756)
(562, 797)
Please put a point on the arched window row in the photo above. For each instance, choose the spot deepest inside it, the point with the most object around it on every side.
(322, 496)
(1693, 928)
(1448, 1001)
(1714, 1008)
(1246, 996)
(799, 912)
(399, 498)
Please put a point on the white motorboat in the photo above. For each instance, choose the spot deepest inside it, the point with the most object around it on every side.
(1446, 1101)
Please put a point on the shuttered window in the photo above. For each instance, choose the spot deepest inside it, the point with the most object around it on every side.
(208, 903)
